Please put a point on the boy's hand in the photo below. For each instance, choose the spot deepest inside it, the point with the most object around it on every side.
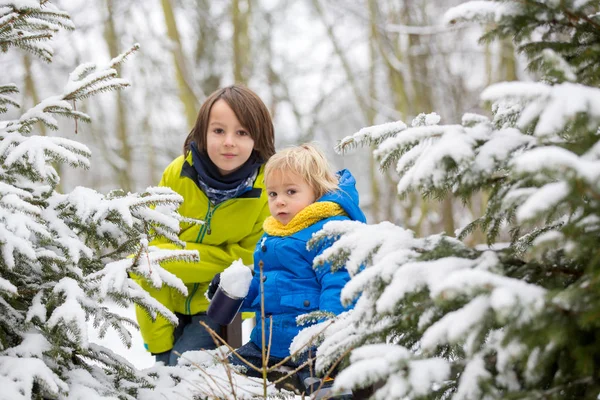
(213, 286)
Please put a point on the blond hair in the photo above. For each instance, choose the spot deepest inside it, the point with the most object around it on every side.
(307, 161)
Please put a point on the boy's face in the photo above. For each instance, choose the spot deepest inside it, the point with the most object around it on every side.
(288, 194)
(228, 143)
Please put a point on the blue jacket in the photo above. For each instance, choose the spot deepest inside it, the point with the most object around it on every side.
(292, 286)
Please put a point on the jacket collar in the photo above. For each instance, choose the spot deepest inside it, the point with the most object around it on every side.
(305, 218)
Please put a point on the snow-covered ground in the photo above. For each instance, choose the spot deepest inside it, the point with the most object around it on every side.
(137, 354)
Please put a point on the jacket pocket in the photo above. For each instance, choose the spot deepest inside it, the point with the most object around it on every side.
(300, 302)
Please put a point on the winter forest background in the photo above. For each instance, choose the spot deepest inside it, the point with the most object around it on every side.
(325, 69)
(477, 275)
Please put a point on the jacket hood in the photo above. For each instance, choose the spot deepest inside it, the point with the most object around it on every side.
(346, 196)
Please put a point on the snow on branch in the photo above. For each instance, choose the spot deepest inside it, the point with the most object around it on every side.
(7, 287)
(19, 220)
(113, 282)
(551, 107)
(29, 24)
(85, 81)
(153, 212)
(6, 100)
(481, 11)
(25, 373)
(405, 375)
(38, 152)
(70, 313)
(371, 135)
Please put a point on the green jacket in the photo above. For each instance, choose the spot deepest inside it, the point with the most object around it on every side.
(231, 230)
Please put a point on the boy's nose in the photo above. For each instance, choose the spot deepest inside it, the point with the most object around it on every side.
(228, 140)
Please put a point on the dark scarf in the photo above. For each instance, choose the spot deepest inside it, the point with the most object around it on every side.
(219, 187)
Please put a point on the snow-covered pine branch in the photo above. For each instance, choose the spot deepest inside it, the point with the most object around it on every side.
(436, 319)
(482, 11)
(5, 100)
(28, 24)
(85, 81)
(372, 135)
(54, 246)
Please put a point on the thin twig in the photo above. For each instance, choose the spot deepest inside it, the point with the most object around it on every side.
(202, 369)
(223, 342)
(280, 363)
(265, 364)
(223, 360)
(335, 364)
(290, 373)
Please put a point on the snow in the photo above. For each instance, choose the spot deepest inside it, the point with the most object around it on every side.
(136, 354)
(555, 106)
(18, 375)
(37, 309)
(474, 374)
(543, 200)
(21, 4)
(376, 132)
(553, 158)
(6, 286)
(71, 312)
(500, 147)
(34, 151)
(559, 64)
(474, 10)
(415, 275)
(425, 373)
(455, 325)
(428, 119)
(376, 362)
(33, 345)
(235, 279)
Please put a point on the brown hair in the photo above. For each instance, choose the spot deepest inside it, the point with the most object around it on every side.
(249, 110)
(308, 162)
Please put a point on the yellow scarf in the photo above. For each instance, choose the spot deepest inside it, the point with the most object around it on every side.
(305, 218)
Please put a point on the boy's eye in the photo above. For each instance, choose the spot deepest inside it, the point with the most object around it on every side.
(272, 194)
(291, 191)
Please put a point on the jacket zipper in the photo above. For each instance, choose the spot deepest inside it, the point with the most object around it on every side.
(188, 301)
(209, 215)
(204, 229)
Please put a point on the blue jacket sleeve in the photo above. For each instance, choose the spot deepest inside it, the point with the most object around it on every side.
(252, 293)
(332, 284)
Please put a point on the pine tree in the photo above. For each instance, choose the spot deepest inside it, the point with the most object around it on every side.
(437, 319)
(65, 256)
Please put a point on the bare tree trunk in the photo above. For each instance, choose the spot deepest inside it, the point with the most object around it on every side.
(31, 93)
(183, 76)
(363, 105)
(31, 90)
(205, 57)
(124, 171)
(240, 14)
(423, 99)
(375, 190)
(508, 62)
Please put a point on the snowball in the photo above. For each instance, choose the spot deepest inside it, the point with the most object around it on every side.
(235, 280)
